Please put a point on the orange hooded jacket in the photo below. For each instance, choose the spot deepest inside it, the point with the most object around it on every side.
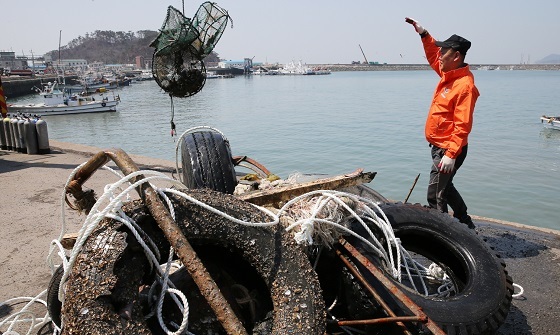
(451, 114)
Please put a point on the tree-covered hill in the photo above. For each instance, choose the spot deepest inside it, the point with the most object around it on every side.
(112, 47)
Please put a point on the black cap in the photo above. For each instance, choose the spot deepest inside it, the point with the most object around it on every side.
(455, 42)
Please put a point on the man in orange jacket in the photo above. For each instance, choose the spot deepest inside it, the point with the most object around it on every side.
(449, 119)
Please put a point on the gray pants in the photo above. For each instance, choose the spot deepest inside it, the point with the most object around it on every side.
(441, 191)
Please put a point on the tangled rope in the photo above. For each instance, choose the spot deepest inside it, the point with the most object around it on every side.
(14, 319)
(324, 215)
(113, 211)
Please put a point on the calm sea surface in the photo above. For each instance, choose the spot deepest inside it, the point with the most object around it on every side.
(373, 120)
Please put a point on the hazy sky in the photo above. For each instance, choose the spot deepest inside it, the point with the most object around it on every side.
(315, 32)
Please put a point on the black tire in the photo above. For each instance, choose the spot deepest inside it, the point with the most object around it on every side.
(484, 288)
(103, 104)
(207, 162)
(54, 305)
(270, 251)
(293, 286)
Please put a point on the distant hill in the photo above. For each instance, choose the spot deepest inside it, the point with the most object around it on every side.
(112, 47)
(550, 59)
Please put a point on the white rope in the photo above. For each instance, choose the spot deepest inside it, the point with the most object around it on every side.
(95, 216)
(14, 320)
(323, 198)
(518, 294)
(113, 211)
(275, 217)
(318, 215)
(184, 307)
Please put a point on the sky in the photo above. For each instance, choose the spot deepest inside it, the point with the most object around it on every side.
(310, 31)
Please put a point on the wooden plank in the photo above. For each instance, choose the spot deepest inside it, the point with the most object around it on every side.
(276, 196)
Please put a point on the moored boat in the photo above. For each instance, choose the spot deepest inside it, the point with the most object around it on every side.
(551, 121)
(94, 86)
(56, 101)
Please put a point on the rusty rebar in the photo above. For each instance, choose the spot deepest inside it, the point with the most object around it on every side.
(393, 319)
(238, 159)
(207, 286)
(392, 288)
(412, 188)
(373, 292)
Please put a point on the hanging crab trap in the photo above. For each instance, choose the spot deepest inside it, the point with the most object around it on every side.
(181, 46)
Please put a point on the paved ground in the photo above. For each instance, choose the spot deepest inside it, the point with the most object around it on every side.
(30, 218)
(533, 260)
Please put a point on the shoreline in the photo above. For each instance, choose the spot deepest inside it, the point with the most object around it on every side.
(168, 166)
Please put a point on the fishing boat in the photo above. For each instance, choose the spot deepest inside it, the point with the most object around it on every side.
(551, 121)
(212, 75)
(56, 101)
(91, 86)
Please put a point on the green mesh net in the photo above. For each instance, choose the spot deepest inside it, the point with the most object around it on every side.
(182, 44)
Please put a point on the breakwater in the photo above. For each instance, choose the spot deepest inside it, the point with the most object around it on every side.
(416, 67)
(20, 86)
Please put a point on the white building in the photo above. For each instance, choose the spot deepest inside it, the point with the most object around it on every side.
(228, 64)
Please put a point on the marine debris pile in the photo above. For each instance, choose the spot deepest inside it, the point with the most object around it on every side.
(306, 257)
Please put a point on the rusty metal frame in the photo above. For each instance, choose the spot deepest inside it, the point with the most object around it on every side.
(207, 286)
(238, 159)
(343, 249)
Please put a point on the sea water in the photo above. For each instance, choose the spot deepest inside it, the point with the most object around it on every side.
(334, 124)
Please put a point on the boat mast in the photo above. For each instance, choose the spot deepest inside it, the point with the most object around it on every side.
(59, 39)
(58, 77)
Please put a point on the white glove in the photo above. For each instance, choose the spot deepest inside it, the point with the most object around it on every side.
(446, 164)
(419, 29)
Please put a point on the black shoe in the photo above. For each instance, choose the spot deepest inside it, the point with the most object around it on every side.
(468, 221)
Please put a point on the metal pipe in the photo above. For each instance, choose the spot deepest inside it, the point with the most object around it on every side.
(207, 286)
(238, 159)
(398, 319)
(393, 289)
(371, 290)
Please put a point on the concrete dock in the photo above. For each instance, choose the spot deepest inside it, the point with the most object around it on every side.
(30, 216)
